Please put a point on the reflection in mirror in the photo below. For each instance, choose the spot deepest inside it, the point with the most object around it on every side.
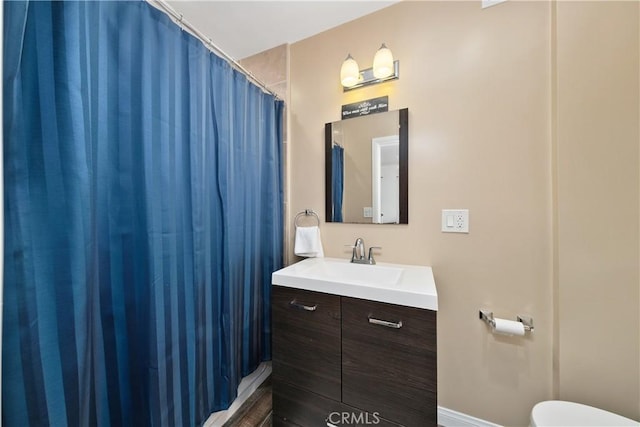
(367, 169)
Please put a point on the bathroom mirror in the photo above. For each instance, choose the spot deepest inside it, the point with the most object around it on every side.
(366, 169)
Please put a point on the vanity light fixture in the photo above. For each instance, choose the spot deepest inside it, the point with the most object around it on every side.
(384, 69)
(383, 62)
(349, 73)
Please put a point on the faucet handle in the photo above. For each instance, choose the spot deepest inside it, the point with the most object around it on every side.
(371, 248)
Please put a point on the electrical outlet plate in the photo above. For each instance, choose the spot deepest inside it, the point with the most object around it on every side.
(455, 220)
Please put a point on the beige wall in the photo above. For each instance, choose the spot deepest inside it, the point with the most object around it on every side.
(477, 85)
(497, 115)
(271, 68)
(597, 148)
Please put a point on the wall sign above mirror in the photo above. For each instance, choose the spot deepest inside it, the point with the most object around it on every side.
(364, 108)
(367, 169)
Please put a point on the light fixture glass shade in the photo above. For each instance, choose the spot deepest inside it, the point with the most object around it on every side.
(349, 72)
(383, 62)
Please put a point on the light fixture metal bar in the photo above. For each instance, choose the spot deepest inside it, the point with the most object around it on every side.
(367, 78)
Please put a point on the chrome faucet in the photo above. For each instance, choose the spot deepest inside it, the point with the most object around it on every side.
(357, 256)
(358, 250)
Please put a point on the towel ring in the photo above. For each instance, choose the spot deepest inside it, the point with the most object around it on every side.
(306, 212)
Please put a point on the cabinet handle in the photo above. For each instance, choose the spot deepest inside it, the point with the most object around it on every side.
(296, 304)
(394, 325)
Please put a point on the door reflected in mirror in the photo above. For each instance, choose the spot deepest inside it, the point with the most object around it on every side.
(367, 169)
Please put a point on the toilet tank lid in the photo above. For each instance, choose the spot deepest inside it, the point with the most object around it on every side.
(562, 413)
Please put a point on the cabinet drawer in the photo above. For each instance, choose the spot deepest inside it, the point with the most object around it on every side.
(294, 406)
(389, 361)
(281, 422)
(301, 407)
(306, 340)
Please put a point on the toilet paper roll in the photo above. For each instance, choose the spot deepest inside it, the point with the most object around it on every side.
(509, 327)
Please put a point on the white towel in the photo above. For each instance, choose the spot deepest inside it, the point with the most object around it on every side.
(308, 242)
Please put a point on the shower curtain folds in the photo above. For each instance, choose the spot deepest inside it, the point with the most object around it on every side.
(337, 181)
(143, 218)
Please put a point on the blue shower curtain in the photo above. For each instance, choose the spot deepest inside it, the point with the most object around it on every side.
(143, 218)
(337, 181)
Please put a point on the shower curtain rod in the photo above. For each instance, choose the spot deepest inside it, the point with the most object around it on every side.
(178, 18)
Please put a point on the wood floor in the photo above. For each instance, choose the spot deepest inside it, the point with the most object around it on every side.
(256, 411)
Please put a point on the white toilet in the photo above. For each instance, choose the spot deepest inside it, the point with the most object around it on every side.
(568, 414)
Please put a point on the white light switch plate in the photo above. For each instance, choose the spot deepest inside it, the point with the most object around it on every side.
(367, 212)
(455, 220)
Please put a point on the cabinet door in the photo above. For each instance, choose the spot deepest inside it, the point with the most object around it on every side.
(307, 409)
(389, 361)
(306, 341)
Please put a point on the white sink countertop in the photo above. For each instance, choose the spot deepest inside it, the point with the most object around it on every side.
(408, 285)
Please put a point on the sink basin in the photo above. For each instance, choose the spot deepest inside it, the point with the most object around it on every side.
(357, 274)
(408, 285)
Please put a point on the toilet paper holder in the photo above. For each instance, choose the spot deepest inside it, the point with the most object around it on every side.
(487, 316)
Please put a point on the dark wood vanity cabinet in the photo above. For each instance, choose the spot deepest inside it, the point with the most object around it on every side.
(335, 355)
(389, 361)
(306, 340)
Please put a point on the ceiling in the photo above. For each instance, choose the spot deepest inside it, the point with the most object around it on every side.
(243, 28)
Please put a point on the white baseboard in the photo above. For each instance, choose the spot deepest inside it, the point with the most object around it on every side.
(489, 3)
(450, 418)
